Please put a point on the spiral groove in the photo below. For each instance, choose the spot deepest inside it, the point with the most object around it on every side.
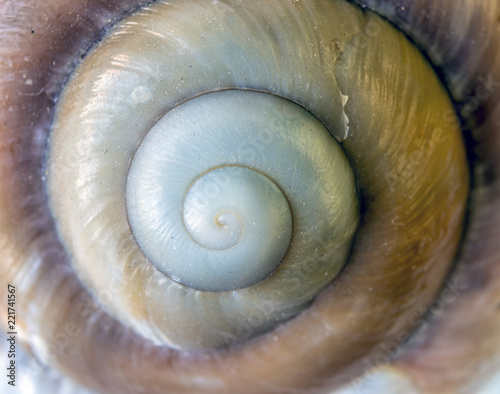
(211, 221)
(279, 108)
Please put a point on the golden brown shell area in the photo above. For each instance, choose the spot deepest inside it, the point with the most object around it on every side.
(39, 51)
(462, 39)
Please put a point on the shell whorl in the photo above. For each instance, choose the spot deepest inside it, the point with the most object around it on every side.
(226, 211)
(118, 102)
(282, 251)
(387, 246)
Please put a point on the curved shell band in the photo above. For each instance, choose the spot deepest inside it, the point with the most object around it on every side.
(260, 131)
(394, 123)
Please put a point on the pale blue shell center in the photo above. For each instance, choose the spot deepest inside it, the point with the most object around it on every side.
(207, 188)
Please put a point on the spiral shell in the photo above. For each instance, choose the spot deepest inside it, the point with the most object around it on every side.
(192, 175)
(413, 244)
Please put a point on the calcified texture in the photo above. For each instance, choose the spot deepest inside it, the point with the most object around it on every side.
(116, 94)
(197, 170)
(226, 204)
(310, 351)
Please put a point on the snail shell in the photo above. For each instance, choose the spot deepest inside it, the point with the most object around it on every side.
(176, 151)
(113, 335)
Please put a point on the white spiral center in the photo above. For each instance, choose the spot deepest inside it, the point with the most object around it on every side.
(212, 187)
(205, 213)
(232, 202)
